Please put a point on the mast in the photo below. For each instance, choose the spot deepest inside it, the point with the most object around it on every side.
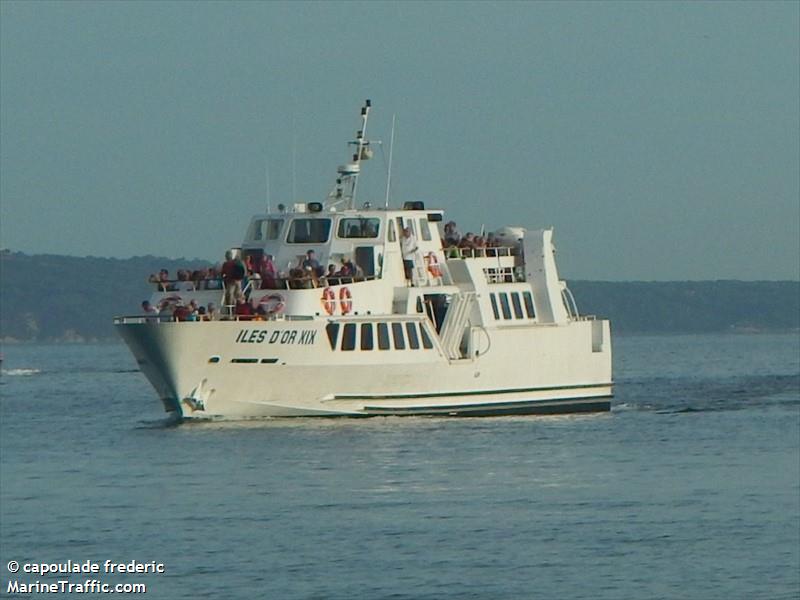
(347, 179)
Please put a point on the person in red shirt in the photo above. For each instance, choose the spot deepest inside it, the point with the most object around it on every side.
(244, 310)
(233, 272)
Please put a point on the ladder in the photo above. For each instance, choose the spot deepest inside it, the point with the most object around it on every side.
(454, 324)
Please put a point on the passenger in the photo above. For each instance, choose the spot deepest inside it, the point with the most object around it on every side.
(311, 261)
(202, 314)
(260, 312)
(255, 280)
(348, 269)
(408, 247)
(181, 312)
(491, 245)
(243, 309)
(184, 281)
(211, 312)
(310, 279)
(297, 278)
(467, 244)
(233, 272)
(192, 311)
(213, 281)
(331, 271)
(451, 235)
(198, 278)
(267, 271)
(148, 309)
(164, 283)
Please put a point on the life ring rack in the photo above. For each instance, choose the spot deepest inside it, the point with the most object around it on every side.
(169, 301)
(273, 303)
(345, 300)
(328, 300)
(433, 264)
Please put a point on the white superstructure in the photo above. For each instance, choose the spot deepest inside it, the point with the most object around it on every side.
(471, 332)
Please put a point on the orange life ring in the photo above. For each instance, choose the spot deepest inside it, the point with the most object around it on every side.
(273, 303)
(433, 264)
(345, 300)
(329, 300)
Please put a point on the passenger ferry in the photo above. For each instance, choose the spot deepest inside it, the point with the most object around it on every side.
(463, 331)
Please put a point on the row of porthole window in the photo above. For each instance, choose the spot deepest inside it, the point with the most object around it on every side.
(390, 336)
(517, 301)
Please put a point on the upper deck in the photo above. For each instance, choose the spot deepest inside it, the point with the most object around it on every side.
(334, 259)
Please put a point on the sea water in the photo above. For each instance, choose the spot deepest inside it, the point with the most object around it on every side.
(688, 488)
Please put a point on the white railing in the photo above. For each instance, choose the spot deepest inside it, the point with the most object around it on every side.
(569, 302)
(455, 252)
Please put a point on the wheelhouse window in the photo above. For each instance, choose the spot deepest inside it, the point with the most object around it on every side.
(309, 231)
(266, 229)
(358, 228)
(257, 231)
(425, 230)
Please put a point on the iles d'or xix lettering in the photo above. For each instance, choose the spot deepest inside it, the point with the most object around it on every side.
(277, 336)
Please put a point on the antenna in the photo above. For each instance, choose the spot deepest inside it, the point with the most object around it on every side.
(389, 175)
(294, 159)
(269, 203)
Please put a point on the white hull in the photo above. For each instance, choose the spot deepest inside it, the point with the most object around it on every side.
(536, 369)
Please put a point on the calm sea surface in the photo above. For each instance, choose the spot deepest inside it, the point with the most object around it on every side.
(689, 488)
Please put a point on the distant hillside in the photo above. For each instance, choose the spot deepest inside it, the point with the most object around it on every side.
(692, 306)
(47, 297)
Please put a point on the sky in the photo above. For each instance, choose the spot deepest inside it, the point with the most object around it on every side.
(661, 140)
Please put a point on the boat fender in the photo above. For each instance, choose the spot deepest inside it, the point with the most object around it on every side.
(433, 264)
(273, 303)
(328, 300)
(345, 300)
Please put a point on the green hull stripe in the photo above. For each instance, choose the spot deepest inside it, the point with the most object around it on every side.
(466, 393)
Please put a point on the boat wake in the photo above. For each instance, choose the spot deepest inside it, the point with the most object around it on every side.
(19, 372)
(707, 395)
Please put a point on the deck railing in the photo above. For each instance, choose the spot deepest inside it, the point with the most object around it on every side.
(455, 252)
(254, 283)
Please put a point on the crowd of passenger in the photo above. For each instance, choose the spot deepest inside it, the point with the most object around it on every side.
(188, 281)
(177, 310)
(171, 309)
(469, 244)
(240, 276)
(258, 273)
